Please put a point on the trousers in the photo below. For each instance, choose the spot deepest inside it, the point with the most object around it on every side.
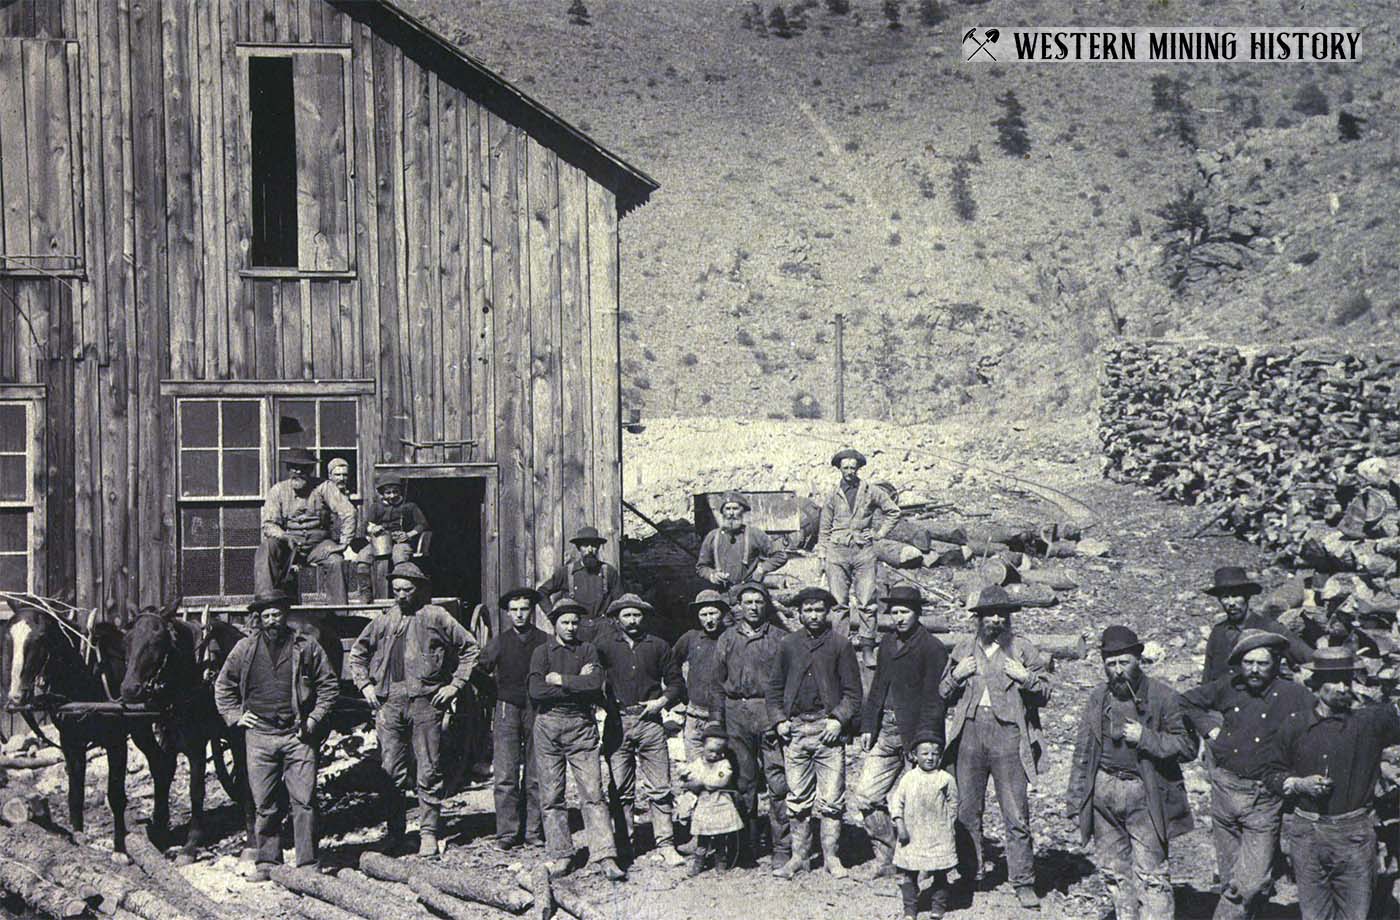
(1334, 863)
(570, 741)
(275, 761)
(408, 725)
(816, 772)
(988, 749)
(1132, 857)
(753, 745)
(273, 561)
(1245, 819)
(516, 782)
(853, 569)
(884, 764)
(643, 749)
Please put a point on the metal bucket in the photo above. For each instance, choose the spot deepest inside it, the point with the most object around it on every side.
(383, 545)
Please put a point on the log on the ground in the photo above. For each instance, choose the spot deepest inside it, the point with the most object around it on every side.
(173, 885)
(152, 906)
(385, 868)
(25, 881)
(1033, 595)
(36, 762)
(569, 897)
(313, 909)
(440, 902)
(473, 887)
(1055, 578)
(22, 809)
(357, 898)
(537, 883)
(1057, 645)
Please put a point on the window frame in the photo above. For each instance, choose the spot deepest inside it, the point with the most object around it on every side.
(32, 398)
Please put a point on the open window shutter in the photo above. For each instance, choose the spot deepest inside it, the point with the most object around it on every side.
(323, 175)
(38, 150)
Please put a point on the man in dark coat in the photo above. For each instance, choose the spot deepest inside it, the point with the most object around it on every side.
(903, 702)
(1233, 589)
(1126, 790)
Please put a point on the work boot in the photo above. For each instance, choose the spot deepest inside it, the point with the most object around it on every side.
(882, 839)
(429, 824)
(696, 864)
(1028, 898)
(778, 829)
(687, 848)
(831, 837)
(395, 822)
(801, 844)
(611, 870)
(558, 868)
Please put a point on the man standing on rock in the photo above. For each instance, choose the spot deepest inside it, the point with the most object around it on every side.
(409, 663)
(903, 703)
(587, 579)
(853, 517)
(1329, 764)
(743, 662)
(734, 552)
(813, 696)
(1249, 708)
(1233, 589)
(1126, 790)
(996, 682)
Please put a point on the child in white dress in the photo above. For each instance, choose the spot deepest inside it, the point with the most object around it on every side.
(923, 808)
(716, 820)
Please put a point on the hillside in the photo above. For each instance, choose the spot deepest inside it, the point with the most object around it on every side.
(819, 173)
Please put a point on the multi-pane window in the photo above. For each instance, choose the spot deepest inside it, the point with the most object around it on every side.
(326, 427)
(16, 496)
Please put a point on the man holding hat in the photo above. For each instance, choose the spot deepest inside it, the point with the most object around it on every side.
(303, 522)
(854, 516)
(1330, 760)
(996, 682)
(813, 697)
(1247, 709)
(734, 552)
(642, 680)
(694, 654)
(743, 662)
(566, 685)
(903, 702)
(506, 661)
(587, 579)
(1233, 589)
(278, 685)
(409, 663)
(1126, 790)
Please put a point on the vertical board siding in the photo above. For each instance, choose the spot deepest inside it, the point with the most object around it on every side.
(607, 412)
(541, 170)
(575, 347)
(454, 338)
(323, 208)
(420, 234)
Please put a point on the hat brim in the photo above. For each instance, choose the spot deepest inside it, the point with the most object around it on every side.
(259, 606)
(911, 603)
(697, 606)
(588, 541)
(994, 608)
(1243, 589)
(1135, 649)
(530, 594)
(558, 610)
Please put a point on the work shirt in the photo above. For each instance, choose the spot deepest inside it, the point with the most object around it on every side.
(1249, 738)
(308, 519)
(436, 651)
(580, 692)
(405, 516)
(850, 520)
(594, 590)
(991, 695)
(694, 654)
(269, 689)
(743, 663)
(1225, 634)
(1345, 747)
(507, 659)
(814, 675)
(637, 671)
(1118, 755)
(745, 554)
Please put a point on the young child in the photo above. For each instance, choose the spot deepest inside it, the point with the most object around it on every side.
(923, 807)
(715, 821)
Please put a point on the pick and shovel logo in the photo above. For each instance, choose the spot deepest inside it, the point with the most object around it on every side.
(979, 45)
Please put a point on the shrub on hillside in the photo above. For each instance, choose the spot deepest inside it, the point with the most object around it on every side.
(1351, 309)
(744, 338)
(838, 7)
(1311, 100)
(892, 11)
(1198, 236)
(778, 23)
(689, 359)
(1011, 126)
(931, 13)
(805, 405)
(578, 13)
(963, 202)
(1169, 100)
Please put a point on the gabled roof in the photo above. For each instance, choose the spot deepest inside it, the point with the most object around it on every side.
(629, 185)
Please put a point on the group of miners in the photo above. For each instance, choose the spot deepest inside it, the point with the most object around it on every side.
(771, 700)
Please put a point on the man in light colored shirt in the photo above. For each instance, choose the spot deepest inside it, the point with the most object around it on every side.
(304, 522)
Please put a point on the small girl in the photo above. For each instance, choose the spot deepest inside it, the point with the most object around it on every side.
(924, 807)
(715, 821)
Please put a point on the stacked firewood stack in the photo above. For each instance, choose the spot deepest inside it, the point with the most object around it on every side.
(1288, 446)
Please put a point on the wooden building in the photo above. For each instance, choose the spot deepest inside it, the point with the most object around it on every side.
(231, 227)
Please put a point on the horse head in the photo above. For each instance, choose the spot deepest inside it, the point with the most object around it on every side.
(159, 653)
(42, 655)
(216, 640)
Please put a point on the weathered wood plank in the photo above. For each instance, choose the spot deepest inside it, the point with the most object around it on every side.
(238, 208)
(59, 553)
(51, 230)
(421, 302)
(308, 332)
(481, 306)
(454, 348)
(388, 179)
(267, 356)
(87, 132)
(14, 154)
(87, 467)
(576, 345)
(367, 220)
(186, 301)
(347, 323)
(325, 328)
(9, 331)
(288, 305)
(209, 100)
(305, 14)
(511, 407)
(603, 306)
(545, 343)
(323, 211)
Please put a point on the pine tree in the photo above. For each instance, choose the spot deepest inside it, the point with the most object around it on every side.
(778, 23)
(892, 11)
(578, 13)
(931, 13)
(838, 7)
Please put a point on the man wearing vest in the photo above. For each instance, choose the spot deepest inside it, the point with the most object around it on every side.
(409, 662)
(298, 515)
(996, 682)
(278, 686)
(854, 516)
(587, 579)
(734, 552)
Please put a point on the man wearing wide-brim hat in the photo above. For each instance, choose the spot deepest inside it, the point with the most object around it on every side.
(904, 702)
(1126, 790)
(996, 683)
(1233, 588)
(1330, 761)
(853, 517)
(409, 663)
(586, 578)
(1242, 715)
(736, 552)
(304, 522)
(694, 654)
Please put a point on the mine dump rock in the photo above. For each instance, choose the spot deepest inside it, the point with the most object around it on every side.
(22, 809)
(172, 884)
(358, 899)
(25, 881)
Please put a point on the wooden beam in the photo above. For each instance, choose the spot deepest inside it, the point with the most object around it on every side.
(309, 387)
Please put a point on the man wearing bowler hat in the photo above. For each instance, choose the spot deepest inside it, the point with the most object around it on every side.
(587, 579)
(1126, 790)
(409, 662)
(735, 552)
(304, 522)
(1330, 760)
(506, 661)
(1242, 715)
(853, 517)
(904, 703)
(1233, 589)
(813, 699)
(996, 682)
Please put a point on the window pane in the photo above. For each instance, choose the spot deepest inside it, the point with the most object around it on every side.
(12, 428)
(199, 571)
(241, 426)
(199, 473)
(12, 484)
(14, 531)
(14, 573)
(199, 423)
(338, 423)
(296, 423)
(242, 526)
(241, 472)
(238, 571)
(199, 527)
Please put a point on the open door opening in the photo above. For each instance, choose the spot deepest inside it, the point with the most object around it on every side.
(453, 506)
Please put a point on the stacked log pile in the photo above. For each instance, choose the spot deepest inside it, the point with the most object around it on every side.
(1288, 446)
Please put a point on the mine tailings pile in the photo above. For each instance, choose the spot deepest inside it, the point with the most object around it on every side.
(1297, 450)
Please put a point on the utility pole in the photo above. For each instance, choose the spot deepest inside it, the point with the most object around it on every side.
(840, 367)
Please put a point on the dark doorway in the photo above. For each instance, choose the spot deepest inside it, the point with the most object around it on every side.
(453, 508)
